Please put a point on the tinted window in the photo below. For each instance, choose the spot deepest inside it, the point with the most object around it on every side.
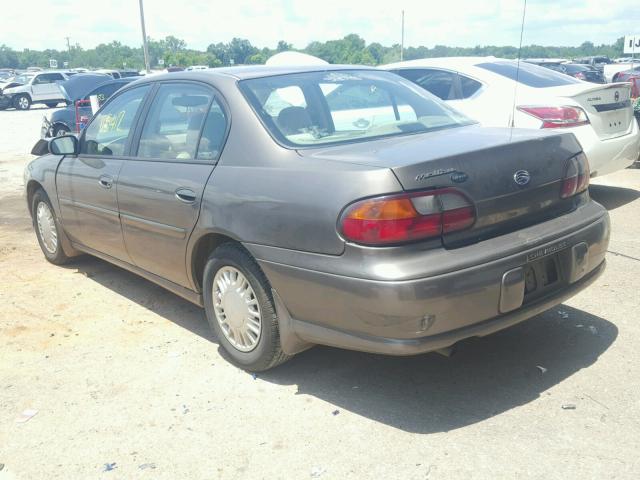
(103, 92)
(468, 86)
(575, 68)
(361, 104)
(56, 77)
(528, 74)
(42, 80)
(438, 82)
(172, 128)
(108, 132)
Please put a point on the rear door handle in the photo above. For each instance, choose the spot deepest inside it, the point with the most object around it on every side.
(105, 181)
(186, 195)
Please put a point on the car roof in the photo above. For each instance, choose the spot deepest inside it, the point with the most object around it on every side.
(443, 62)
(255, 71)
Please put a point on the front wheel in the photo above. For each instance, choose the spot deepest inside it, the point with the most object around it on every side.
(22, 102)
(47, 228)
(60, 131)
(240, 309)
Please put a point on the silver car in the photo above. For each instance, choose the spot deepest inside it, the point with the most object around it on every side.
(329, 205)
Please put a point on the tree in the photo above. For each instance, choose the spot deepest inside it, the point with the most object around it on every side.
(283, 46)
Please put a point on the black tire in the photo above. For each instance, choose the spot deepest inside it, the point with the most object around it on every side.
(51, 104)
(22, 102)
(268, 352)
(57, 257)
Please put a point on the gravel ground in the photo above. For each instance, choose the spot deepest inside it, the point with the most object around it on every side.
(128, 382)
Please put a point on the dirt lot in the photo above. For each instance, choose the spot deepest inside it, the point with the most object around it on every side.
(128, 382)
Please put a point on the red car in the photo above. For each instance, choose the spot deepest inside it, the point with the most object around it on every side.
(632, 76)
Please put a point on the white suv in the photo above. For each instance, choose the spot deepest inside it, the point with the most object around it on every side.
(41, 87)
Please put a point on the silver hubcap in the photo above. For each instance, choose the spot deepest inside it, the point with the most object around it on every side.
(47, 227)
(236, 309)
(23, 102)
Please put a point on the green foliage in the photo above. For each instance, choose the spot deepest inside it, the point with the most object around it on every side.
(351, 49)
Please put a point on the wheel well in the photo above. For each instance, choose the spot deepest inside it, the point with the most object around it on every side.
(25, 94)
(32, 188)
(206, 244)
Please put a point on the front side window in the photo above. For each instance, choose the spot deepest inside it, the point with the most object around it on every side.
(108, 132)
(344, 105)
(172, 128)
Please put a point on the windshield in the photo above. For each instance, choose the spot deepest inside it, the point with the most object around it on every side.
(340, 106)
(23, 79)
(528, 74)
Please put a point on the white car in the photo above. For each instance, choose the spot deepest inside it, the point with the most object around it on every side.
(496, 92)
(196, 67)
(33, 87)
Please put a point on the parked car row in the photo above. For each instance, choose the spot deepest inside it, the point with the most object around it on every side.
(343, 206)
(504, 93)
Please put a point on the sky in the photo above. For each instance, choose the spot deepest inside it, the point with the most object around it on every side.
(462, 23)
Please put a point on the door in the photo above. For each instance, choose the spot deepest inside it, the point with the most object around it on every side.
(159, 191)
(88, 184)
(40, 87)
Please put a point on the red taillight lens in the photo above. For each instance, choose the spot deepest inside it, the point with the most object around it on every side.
(576, 177)
(404, 218)
(580, 76)
(557, 117)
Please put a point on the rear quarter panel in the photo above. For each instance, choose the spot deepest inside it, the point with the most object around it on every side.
(262, 193)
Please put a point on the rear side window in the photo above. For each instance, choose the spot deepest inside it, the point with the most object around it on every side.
(172, 128)
(440, 83)
(468, 86)
(528, 74)
(103, 92)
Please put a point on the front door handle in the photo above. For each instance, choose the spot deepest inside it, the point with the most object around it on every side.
(186, 195)
(105, 181)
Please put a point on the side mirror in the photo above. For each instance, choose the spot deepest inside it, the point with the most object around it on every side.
(64, 145)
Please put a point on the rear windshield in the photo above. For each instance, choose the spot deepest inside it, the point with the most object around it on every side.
(529, 75)
(306, 109)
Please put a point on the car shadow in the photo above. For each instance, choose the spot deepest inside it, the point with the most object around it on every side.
(613, 197)
(421, 394)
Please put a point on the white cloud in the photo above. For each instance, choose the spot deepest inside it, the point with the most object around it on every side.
(201, 22)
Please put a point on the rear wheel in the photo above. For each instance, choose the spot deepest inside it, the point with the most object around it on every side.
(47, 228)
(240, 309)
(22, 102)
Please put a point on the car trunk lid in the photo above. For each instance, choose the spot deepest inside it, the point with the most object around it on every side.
(483, 164)
(608, 106)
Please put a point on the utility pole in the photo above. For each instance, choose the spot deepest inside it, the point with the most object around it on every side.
(402, 39)
(68, 45)
(144, 40)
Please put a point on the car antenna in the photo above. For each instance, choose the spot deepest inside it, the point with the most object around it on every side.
(515, 88)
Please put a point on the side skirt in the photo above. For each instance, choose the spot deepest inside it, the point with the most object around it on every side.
(179, 290)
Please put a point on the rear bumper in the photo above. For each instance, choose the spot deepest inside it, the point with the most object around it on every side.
(435, 311)
(608, 156)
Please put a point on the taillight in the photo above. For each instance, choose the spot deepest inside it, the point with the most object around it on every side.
(557, 117)
(406, 217)
(576, 177)
(580, 76)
